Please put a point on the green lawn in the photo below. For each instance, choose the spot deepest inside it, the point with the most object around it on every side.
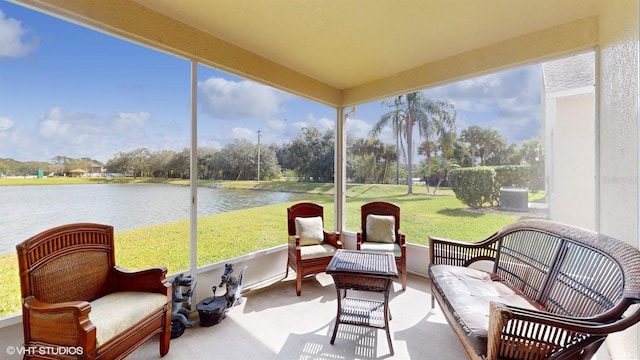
(227, 235)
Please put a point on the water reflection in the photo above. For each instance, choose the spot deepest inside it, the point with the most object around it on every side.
(27, 210)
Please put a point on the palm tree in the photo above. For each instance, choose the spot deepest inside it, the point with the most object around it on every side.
(393, 118)
(440, 167)
(434, 118)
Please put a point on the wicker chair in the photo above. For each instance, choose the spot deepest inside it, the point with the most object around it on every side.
(309, 254)
(395, 243)
(74, 297)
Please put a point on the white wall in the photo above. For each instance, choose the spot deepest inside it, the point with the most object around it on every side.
(618, 137)
(570, 126)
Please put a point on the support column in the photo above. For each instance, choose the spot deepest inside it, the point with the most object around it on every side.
(340, 169)
(193, 176)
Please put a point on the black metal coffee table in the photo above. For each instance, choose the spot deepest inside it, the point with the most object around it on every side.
(363, 271)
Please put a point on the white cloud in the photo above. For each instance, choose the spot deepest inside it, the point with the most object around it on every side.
(130, 122)
(224, 99)
(6, 124)
(15, 41)
(276, 124)
(358, 128)
(508, 101)
(55, 124)
(243, 133)
(75, 135)
(323, 124)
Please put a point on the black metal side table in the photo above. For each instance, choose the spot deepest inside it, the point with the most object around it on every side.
(363, 271)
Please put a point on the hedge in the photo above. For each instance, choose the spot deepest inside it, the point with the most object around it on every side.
(473, 186)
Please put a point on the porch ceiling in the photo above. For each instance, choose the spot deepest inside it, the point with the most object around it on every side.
(343, 52)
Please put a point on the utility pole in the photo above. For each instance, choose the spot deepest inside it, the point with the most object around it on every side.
(258, 155)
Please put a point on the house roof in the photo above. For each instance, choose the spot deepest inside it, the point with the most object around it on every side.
(344, 52)
(570, 73)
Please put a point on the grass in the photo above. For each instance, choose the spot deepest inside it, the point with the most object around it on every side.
(227, 235)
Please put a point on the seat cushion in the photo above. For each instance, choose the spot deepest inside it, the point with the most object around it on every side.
(382, 247)
(310, 231)
(467, 293)
(317, 251)
(116, 312)
(381, 228)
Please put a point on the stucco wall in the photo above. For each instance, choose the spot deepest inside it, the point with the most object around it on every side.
(618, 136)
(572, 161)
(618, 121)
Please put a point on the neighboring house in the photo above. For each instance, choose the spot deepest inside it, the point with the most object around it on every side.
(76, 173)
(569, 135)
(97, 169)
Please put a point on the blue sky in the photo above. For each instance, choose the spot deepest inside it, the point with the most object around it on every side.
(72, 91)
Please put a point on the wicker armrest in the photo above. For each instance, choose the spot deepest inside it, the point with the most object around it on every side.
(539, 334)
(150, 280)
(333, 238)
(69, 320)
(460, 253)
(584, 325)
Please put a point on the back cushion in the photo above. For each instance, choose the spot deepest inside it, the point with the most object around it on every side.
(309, 230)
(381, 228)
(76, 276)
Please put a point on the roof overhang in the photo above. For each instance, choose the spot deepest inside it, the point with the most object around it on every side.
(340, 52)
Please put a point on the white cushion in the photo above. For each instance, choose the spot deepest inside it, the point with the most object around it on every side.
(382, 247)
(309, 230)
(381, 228)
(116, 312)
(317, 251)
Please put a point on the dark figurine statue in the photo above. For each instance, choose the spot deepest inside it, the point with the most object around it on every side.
(213, 309)
(179, 314)
(234, 286)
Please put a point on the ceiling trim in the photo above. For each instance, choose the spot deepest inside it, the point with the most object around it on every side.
(131, 21)
(561, 40)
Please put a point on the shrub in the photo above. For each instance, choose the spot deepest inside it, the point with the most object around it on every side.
(473, 186)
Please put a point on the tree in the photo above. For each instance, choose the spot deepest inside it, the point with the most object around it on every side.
(205, 160)
(370, 160)
(159, 161)
(434, 118)
(140, 161)
(484, 144)
(311, 154)
(180, 164)
(396, 124)
(440, 167)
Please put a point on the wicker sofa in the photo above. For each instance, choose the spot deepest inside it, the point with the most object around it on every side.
(552, 290)
(77, 304)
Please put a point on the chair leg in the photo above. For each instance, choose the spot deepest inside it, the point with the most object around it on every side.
(165, 337)
(404, 277)
(298, 283)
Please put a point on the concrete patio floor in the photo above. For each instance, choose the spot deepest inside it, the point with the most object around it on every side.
(274, 323)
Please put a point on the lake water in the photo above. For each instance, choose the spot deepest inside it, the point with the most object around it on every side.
(28, 210)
